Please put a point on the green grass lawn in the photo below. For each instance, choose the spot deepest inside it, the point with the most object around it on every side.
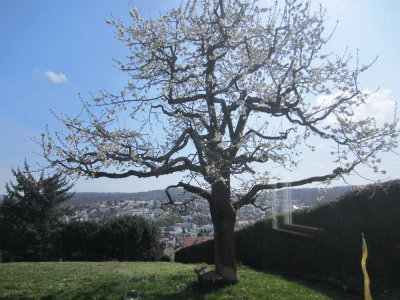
(152, 280)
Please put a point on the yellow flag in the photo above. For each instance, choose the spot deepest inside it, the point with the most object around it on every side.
(367, 292)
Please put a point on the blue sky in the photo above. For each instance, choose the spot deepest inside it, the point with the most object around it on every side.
(53, 50)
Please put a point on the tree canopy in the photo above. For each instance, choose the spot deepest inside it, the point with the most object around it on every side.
(217, 87)
(215, 75)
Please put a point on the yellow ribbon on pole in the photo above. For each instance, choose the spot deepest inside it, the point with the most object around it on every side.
(367, 292)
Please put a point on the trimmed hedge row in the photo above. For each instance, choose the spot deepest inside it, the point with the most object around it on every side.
(334, 254)
(121, 238)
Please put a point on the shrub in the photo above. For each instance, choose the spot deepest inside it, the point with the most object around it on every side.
(200, 253)
(121, 238)
(165, 258)
(81, 241)
(131, 238)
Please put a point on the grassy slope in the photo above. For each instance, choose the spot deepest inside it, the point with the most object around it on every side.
(110, 280)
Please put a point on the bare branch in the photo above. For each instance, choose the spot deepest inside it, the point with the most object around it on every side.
(249, 198)
(189, 188)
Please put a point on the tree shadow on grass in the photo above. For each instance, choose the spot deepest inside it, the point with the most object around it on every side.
(112, 291)
(340, 293)
(333, 291)
(191, 291)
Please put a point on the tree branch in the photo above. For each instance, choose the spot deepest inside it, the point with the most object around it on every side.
(189, 188)
(249, 198)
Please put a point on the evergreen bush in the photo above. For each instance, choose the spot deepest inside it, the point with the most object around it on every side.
(31, 216)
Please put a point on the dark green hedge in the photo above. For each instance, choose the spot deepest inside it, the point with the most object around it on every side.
(203, 252)
(121, 238)
(334, 254)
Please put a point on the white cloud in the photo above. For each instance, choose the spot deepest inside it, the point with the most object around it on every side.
(56, 78)
(380, 105)
(325, 100)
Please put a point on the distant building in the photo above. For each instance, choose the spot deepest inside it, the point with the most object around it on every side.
(243, 223)
(207, 229)
(187, 218)
(186, 227)
(190, 240)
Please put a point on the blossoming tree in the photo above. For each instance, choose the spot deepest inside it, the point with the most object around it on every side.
(216, 88)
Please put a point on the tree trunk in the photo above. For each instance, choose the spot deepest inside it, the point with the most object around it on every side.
(223, 216)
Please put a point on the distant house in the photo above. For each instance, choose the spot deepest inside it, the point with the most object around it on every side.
(186, 227)
(148, 215)
(189, 240)
(207, 229)
(173, 230)
(187, 218)
(243, 223)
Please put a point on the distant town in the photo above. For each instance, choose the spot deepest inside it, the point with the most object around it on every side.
(183, 227)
